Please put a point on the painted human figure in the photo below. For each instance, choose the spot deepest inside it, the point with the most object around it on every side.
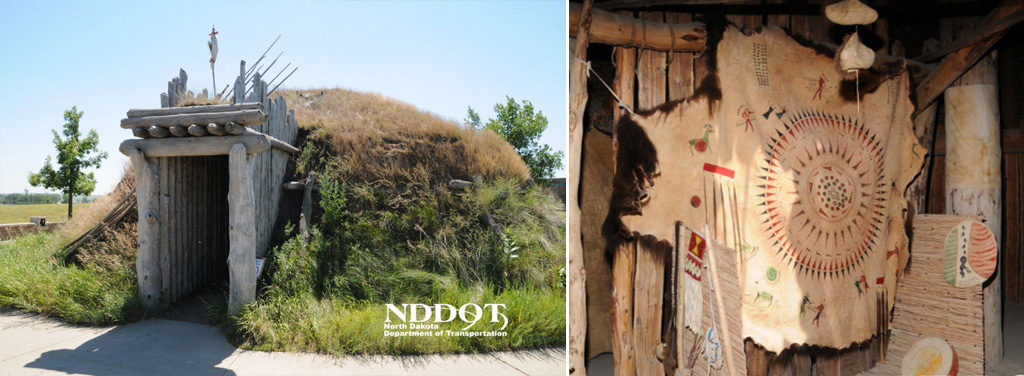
(749, 125)
(861, 285)
(821, 86)
(804, 304)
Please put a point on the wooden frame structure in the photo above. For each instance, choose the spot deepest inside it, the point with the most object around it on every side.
(208, 182)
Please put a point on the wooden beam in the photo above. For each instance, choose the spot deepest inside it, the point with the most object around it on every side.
(577, 278)
(196, 146)
(158, 132)
(244, 117)
(197, 130)
(987, 30)
(216, 129)
(134, 113)
(957, 63)
(614, 29)
(177, 130)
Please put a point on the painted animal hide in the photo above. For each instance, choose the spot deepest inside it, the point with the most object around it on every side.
(774, 157)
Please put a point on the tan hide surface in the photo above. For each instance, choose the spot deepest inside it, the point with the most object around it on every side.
(815, 200)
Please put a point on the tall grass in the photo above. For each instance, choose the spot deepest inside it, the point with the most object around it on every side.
(32, 280)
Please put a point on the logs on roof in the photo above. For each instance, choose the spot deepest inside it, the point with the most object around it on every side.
(614, 29)
(243, 117)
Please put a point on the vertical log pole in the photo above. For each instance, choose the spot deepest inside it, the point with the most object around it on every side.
(577, 275)
(973, 182)
(147, 262)
(973, 156)
(623, 271)
(241, 231)
(624, 263)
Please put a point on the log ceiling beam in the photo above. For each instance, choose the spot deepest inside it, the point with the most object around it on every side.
(958, 62)
(618, 30)
(987, 30)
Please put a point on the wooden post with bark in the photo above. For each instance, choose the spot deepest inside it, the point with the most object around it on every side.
(147, 262)
(577, 275)
(973, 175)
(241, 230)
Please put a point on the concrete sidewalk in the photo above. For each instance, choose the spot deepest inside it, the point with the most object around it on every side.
(34, 345)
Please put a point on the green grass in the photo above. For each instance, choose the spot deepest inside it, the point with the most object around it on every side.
(52, 212)
(331, 325)
(31, 280)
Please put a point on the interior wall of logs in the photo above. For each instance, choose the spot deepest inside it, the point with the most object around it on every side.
(644, 79)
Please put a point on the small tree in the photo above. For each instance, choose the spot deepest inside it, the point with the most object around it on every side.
(74, 155)
(520, 126)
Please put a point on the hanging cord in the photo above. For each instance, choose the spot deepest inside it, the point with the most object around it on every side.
(857, 75)
(591, 70)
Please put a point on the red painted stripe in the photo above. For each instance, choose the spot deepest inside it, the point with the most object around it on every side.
(719, 170)
(880, 280)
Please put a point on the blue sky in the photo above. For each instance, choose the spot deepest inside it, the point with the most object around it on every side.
(110, 57)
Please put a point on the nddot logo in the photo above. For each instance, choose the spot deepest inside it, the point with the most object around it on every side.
(417, 319)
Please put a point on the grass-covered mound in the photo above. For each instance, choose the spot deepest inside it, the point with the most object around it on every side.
(393, 231)
(388, 229)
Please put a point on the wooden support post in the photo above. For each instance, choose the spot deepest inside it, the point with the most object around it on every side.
(648, 287)
(623, 269)
(973, 155)
(307, 208)
(973, 182)
(241, 230)
(577, 280)
(147, 261)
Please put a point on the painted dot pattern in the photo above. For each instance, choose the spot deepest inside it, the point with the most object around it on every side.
(821, 197)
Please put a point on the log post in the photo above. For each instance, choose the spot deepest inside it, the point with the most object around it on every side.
(241, 230)
(973, 182)
(973, 156)
(577, 275)
(147, 262)
(307, 208)
(623, 270)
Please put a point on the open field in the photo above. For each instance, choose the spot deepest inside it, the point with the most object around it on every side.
(52, 212)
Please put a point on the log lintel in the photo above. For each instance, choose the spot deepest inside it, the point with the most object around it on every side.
(196, 146)
(610, 28)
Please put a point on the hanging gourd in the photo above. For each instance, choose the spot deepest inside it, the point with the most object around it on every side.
(850, 12)
(854, 55)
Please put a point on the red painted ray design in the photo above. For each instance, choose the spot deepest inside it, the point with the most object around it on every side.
(822, 195)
